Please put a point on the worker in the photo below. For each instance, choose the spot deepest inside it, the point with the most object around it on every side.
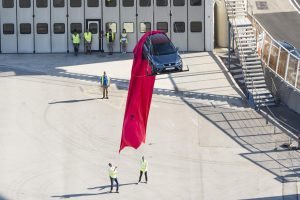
(88, 41)
(110, 39)
(112, 171)
(105, 83)
(143, 169)
(76, 41)
(124, 41)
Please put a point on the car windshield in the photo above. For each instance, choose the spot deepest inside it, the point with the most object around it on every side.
(163, 48)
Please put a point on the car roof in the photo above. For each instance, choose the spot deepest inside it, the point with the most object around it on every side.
(286, 45)
(159, 38)
(293, 50)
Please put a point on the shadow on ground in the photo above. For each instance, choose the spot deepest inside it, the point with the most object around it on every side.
(229, 113)
(294, 196)
(66, 196)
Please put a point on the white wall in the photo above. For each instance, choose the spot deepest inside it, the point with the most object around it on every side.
(209, 25)
(58, 42)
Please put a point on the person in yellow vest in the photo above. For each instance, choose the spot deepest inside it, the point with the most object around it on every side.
(76, 41)
(143, 169)
(112, 172)
(110, 39)
(88, 41)
(105, 83)
(124, 41)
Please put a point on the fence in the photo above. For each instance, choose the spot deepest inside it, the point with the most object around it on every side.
(274, 56)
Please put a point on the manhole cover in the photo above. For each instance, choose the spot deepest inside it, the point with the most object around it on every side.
(261, 5)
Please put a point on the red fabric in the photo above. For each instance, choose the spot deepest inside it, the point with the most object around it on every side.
(138, 99)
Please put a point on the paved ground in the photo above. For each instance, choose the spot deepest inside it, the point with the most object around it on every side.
(280, 19)
(203, 142)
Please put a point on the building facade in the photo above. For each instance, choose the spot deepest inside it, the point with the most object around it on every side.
(45, 26)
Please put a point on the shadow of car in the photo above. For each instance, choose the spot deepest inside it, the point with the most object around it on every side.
(162, 55)
(293, 50)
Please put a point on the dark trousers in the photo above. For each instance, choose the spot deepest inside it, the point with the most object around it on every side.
(141, 174)
(105, 91)
(112, 183)
(76, 47)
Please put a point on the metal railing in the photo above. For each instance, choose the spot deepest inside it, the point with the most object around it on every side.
(274, 56)
(292, 132)
(241, 52)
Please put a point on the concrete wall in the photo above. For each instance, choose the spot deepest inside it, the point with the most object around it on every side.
(221, 29)
(287, 94)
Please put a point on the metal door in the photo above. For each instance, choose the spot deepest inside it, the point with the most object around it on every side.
(59, 26)
(179, 24)
(111, 20)
(41, 26)
(76, 21)
(196, 25)
(128, 22)
(94, 27)
(25, 26)
(8, 28)
(162, 16)
(145, 17)
(93, 12)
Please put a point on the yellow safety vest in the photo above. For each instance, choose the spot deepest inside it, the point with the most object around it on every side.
(124, 38)
(144, 166)
(112, 172)
(102, 80)
(76, 38)
(88, 36)
(107, 36)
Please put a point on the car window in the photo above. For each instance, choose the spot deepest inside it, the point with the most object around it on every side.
(163, 48)
(147, 43)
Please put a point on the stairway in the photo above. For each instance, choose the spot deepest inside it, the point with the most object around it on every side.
(245, 41)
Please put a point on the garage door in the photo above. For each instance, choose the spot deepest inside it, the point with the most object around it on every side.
(111, 21)
(179, 24)
(8, 27)
(145, 17)
(25, 26)
(41, 26)
(196, 25)
(162, 16)
(75, 22)
(59, 26)
(93, 14)
(128, 22)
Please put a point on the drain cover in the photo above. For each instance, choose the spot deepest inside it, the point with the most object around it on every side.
(261, 5)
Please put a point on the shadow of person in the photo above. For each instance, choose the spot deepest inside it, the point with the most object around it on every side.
(108, 186)
(66, 196)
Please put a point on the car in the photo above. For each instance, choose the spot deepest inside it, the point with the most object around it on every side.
(293, 50)
(162, 55)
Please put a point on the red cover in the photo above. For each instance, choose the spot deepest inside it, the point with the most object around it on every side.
(138, 99)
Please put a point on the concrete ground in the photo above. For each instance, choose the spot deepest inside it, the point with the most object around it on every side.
(203, 142)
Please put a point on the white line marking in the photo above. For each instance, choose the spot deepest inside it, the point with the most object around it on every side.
(295, 5)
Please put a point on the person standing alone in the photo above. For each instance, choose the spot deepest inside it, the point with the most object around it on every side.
(76, 41)
(143, 169)
(105, 82)
(112, 171)
(88, 41)
(110, 38)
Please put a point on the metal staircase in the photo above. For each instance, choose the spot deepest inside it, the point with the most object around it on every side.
(244, 38)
